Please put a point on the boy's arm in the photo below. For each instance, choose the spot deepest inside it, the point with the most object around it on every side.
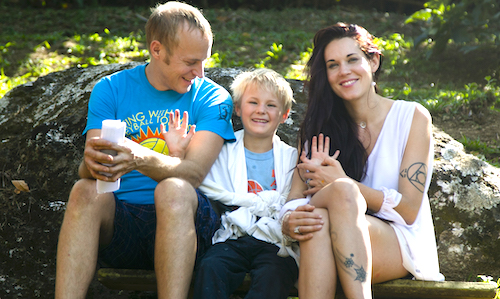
(298, 186)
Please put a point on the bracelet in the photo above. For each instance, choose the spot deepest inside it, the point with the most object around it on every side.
(288, 240)
(286, 214)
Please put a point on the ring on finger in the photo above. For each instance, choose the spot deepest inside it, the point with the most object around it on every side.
(297, 230)
(307, 183)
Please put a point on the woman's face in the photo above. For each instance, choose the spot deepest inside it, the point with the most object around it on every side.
(348, 69)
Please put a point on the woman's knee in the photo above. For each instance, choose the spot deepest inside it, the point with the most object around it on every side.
(345, 196)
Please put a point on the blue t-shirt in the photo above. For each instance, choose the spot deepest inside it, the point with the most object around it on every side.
(127, 95)
(260, 171)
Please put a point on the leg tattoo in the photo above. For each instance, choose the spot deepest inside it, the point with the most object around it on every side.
(350, 267)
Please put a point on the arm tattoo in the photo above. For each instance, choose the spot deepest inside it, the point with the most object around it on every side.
(349, 266)
(416, 174)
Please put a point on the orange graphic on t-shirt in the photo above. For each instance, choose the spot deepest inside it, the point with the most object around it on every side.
(254, 187)
(273, 185)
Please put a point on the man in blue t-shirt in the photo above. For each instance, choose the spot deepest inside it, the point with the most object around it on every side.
(157, 219)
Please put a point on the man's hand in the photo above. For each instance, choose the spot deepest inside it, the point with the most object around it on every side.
(177, 137)
(98, 163)
(106, 167)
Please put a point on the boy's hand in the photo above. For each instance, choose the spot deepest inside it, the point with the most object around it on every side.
(177, 137)
(320, 150)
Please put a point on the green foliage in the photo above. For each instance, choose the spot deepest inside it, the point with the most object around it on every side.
(482, 149)
(467, 23)
(281, 40)
(296, 70)
(395, 49)
(450, 100)
(7, 83)
(79, 50)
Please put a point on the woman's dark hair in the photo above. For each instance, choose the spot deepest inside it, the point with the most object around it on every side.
(326, 112)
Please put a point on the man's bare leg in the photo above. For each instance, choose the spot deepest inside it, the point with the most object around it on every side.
(88, 220)
(176, 202)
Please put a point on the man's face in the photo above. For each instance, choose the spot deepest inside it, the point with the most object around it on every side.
(187, 60)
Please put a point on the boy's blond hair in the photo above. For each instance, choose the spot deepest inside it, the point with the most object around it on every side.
(266, 79)
(166, 19)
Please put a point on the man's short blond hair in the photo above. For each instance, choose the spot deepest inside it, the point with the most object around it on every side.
(266, 79)
(166, 19)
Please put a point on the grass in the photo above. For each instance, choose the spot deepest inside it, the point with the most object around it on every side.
(448, 85)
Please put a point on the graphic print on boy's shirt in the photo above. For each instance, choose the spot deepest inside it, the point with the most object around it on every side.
(260, 171)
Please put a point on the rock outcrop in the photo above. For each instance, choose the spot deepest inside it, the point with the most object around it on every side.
(41, 144)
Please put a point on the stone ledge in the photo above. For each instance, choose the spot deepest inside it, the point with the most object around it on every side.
(144, 280)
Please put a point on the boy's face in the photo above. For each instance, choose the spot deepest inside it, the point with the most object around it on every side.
(260, 112)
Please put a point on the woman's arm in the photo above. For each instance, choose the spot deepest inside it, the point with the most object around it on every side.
(413, 172)
(415, 168)
(304, 216)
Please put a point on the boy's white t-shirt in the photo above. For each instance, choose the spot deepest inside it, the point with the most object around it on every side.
(227, 182)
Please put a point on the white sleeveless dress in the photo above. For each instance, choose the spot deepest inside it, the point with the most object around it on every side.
(417, 241)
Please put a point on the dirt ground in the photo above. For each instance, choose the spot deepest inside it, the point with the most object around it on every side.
(483, 126)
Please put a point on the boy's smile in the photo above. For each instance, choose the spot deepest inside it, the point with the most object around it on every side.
(261, 112)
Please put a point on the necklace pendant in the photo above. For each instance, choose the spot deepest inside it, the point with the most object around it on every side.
(362, 125)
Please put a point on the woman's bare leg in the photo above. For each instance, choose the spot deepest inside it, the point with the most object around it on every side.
(349, 234)
(387, 259)
(317, 273)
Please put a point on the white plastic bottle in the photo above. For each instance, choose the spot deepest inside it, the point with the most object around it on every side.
(114, 131)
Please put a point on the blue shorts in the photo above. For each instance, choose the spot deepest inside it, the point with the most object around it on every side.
(133, 242)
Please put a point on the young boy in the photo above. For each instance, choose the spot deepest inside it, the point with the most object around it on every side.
(251, 178)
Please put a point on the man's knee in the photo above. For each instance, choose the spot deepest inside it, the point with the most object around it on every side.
(84, 199)
(175, 195)
(84, 193)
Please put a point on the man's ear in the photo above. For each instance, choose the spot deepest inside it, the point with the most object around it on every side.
(285, 116)
(155, 49)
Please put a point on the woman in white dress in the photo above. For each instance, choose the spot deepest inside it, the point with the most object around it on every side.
(365, 168)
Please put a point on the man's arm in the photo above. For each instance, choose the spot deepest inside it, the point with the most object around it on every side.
(200, 155)
(83, 170)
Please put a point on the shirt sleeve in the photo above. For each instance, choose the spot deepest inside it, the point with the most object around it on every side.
(215, 110)
(101, 105)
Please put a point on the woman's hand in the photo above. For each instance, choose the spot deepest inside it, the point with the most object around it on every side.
(301, 223)
(318, 177)
(177, 137)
